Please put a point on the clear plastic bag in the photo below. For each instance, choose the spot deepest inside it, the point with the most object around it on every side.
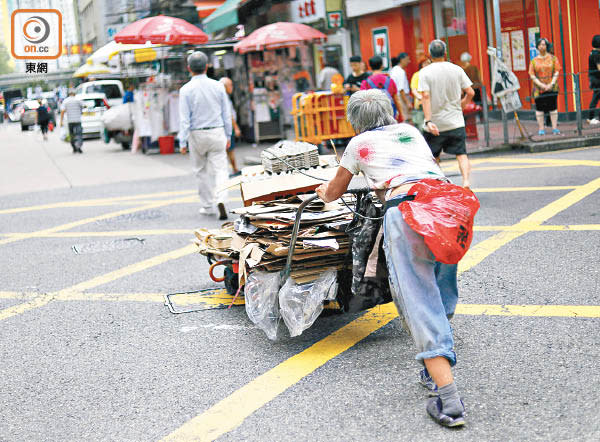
(301, 304)
(260, 293)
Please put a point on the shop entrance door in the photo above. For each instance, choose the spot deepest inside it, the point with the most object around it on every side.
(450, 21)
(519, 29)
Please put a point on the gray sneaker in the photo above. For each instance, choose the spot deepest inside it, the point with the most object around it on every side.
(426, 381)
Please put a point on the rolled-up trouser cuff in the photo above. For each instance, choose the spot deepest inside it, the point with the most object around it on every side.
(450, 355)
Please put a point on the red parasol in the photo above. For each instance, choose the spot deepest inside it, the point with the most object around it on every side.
(279, 35)
(161, 30)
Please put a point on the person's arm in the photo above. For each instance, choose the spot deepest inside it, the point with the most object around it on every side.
(399, 105)
(336, 187)
(62, 114)
(236, 128)
(469, 94)
(184, 123)
(226, 115)
(429, 125)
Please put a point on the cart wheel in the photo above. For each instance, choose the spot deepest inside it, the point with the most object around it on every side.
(231, 281)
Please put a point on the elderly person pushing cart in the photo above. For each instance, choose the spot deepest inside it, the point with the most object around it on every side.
(399, 166)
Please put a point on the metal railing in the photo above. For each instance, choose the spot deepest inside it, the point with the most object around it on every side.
(494, 127)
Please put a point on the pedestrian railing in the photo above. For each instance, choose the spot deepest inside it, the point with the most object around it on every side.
(574, 98)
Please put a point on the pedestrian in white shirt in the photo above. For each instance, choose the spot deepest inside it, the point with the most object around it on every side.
(205, 125)
(446, 90)
(326, 75)
(398, 74)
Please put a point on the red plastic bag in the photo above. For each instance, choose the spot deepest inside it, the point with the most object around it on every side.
(51, 126)
(443, 213)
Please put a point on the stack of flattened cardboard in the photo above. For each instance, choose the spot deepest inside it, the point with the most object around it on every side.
(260, 238)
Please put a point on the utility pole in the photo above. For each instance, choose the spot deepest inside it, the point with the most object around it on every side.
(78, 27)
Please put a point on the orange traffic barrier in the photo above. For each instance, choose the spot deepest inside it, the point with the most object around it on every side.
(320, 116)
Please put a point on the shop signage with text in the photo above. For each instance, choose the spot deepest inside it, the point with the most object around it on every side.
(307, 11)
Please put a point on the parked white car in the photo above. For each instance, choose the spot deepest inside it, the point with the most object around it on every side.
(112, 89)
(94, 106)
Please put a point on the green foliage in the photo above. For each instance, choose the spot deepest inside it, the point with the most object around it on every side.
(5, 67)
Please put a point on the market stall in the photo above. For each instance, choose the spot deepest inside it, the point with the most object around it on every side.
(279, 65)
(155, 109)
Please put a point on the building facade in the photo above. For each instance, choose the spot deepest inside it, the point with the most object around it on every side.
(388, 27)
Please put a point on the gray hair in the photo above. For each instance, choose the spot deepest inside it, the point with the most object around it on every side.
(465, 57)
(197, 62)
(369, 109)
(437, 49)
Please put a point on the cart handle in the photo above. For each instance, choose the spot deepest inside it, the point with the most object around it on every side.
(212, 267)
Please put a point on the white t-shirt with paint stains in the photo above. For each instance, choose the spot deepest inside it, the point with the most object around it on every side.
(390, 156)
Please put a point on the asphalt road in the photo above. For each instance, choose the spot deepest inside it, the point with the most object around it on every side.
(88, 351)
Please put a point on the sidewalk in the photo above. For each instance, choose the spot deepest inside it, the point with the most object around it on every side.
(30, 164)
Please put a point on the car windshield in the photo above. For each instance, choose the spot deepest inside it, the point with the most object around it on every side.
(110, 90)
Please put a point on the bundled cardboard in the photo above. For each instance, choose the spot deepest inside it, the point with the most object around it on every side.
(260, 238)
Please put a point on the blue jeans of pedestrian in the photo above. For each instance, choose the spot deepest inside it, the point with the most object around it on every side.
(425, 291)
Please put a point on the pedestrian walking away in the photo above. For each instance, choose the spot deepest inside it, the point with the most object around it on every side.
(382, 81)
(398, 74)
(394, 157)
(73, 107)
(205, 126)
(237, 133)
(418, 117)
(442, 84)
(543, 71)
(43, 118)
(594, 75)
(356, 77)
(326, 76)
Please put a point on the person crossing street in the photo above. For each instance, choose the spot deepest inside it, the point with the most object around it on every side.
(206, 125)
(73, 107)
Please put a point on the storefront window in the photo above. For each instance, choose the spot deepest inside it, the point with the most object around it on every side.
(451, 26)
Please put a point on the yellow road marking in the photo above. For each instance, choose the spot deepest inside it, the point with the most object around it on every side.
(116, 201)
(577, 311)
(549, 161)
(221, 297)
(92, 219)
(43, 299)
(190, 232)
(481, 250)
(536, 228)
(94, 202)
(522, 189)
(229, 413)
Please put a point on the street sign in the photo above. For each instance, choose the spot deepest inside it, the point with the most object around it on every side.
(381, 45)
(335, 20)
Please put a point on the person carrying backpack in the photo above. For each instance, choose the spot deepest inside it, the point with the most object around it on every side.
(43, 118)
(379, 80)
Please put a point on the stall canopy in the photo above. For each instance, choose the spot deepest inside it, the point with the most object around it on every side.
(279, 35)
(161, 30)
(90, 68)
(225, 15)
(109, 50)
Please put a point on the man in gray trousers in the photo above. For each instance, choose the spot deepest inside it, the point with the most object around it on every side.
(205, 126)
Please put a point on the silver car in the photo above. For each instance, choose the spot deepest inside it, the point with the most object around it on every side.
(28, 114)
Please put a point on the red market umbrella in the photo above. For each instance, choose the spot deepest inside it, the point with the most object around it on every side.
(161, 30)
(279, 35)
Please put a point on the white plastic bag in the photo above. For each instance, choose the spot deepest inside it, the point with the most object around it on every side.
(260, 293)
(301, 304)
(63, 134)
(117, 117)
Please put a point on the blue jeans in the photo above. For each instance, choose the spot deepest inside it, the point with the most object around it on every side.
(425, 291)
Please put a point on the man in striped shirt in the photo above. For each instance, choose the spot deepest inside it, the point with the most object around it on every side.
(73, 108)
